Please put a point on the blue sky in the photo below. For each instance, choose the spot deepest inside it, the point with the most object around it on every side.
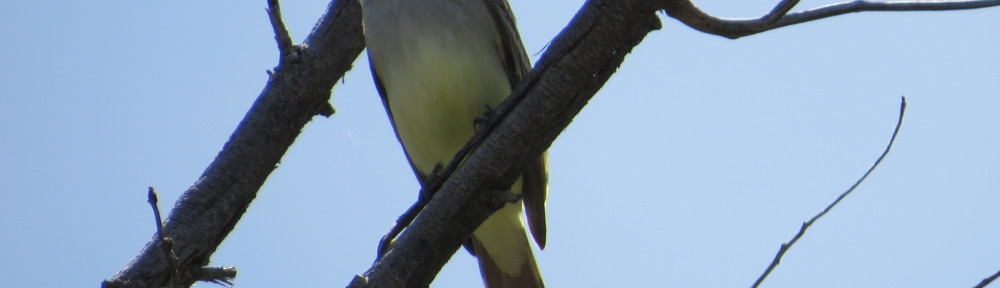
(688, 169)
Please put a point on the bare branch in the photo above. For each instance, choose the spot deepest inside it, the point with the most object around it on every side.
(779, 10)
(576, 65)
(579, 61)
(298, 90)
(988, 280)
(785, 246)
(689, 14)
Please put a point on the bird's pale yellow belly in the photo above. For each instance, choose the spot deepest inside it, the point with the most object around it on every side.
(438, 93)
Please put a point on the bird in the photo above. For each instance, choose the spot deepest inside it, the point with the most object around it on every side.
(439, 66)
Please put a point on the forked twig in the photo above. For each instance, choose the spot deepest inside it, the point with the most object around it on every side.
(785, 246)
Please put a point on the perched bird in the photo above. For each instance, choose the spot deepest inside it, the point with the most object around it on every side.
(439, 65)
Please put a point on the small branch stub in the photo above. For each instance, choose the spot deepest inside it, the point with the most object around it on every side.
(280, 32)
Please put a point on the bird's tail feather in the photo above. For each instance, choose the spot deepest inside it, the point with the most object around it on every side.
(494, 277)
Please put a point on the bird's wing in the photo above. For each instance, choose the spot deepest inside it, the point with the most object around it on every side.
(385, 103)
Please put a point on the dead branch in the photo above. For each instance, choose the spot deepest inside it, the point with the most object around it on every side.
(689, 14)
(298, 90)
(802, 230)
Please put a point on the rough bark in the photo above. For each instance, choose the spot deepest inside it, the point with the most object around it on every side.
(577, 64)
(298, 89)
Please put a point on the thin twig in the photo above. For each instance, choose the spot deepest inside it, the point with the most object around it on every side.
(280, 32)
(859, 6)
(988, 280)
(206, 213)
(733, 28)
(152, 199)
(165, 243)
(785, 246)
(779, 10)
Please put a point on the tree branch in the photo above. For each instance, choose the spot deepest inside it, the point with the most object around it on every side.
(689, 14)
(281, 34)
(166, 244)
(575, 66)
(986, 281)
(579, 61)
(802, 231)
(297, 90)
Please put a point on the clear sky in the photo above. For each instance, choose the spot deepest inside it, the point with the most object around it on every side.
(688, 169)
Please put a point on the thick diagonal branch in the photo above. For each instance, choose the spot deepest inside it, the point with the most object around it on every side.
(577, 64)
(298, 89)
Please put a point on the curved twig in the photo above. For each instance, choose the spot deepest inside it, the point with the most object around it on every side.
(577, 64)
(733, 28)
(785, 246)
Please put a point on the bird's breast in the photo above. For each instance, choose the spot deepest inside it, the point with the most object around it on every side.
(440, 72)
